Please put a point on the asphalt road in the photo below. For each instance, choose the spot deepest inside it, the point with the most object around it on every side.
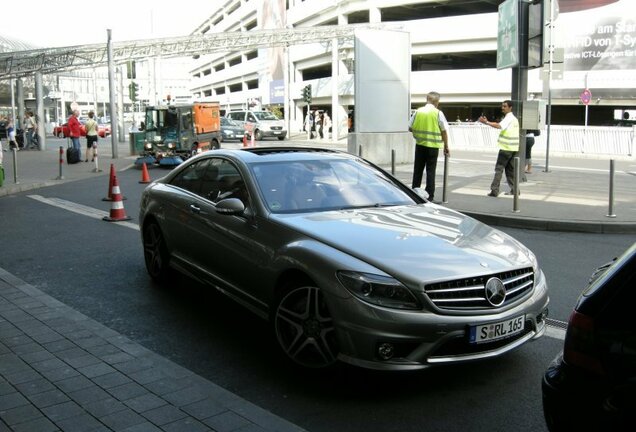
(97, 268)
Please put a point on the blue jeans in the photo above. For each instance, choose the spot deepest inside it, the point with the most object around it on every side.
(76, 144)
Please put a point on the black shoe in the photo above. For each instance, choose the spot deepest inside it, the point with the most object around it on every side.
(493, 194)
(86, 160)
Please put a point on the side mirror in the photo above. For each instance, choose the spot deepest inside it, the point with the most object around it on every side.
(230, 206)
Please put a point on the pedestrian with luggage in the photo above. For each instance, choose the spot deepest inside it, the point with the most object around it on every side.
(508, 142)
(91, 135)
(75, 131)
(13, 143)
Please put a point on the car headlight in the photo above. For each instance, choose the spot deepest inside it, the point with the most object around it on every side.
(148, 146)
(379, 290)
(171, 146)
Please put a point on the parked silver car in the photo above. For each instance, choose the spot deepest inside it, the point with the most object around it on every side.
(345, 261)
(263, 124)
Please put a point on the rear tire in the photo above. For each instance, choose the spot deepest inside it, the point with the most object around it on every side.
(156, 254)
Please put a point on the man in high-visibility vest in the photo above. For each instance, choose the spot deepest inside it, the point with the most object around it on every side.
(429, 127)
(508, 143)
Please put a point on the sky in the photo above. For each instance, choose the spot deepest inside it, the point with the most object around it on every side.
(58, 24)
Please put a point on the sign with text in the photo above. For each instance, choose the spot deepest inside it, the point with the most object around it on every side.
(508, 35)
(600, 38)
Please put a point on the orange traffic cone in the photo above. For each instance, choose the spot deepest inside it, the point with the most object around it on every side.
(117, 212)
(245, 140)
(109, 196)
(145, 177)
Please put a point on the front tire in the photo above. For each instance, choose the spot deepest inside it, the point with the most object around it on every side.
(258, 135)
(304, 328)
(156, 254)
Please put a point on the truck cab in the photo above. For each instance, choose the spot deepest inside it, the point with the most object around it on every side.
(173, 133)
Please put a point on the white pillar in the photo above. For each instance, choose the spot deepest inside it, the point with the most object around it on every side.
(335, 89)
(39, 109)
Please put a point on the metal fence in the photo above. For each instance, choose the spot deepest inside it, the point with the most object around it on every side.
(598, 140)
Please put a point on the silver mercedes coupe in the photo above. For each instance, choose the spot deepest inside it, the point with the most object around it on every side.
(345, 261)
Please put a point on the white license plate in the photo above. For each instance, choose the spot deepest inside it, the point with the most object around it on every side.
(496, 330)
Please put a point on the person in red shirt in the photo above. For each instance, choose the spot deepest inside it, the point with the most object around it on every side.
(75, 131)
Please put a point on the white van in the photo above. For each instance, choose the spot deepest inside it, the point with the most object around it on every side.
(263, 123)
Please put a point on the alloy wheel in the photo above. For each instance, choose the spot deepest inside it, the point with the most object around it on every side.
(304, 328)
(155, 253)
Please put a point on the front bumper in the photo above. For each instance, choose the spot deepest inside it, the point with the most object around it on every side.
(423, 339)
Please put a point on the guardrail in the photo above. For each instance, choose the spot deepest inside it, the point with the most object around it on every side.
(601, 140)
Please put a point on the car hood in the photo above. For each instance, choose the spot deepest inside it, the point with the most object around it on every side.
(419, 242)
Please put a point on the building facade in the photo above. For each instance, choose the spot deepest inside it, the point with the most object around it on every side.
(453, 51)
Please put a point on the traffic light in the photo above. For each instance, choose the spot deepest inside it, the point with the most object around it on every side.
(133, 91)
(130, 70)
(307, 93)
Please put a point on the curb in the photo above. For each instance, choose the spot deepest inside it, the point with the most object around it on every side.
(553, 225)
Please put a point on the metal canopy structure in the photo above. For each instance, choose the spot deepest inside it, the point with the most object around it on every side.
(50, 60)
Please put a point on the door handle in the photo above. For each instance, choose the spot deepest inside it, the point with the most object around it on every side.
(195, 209)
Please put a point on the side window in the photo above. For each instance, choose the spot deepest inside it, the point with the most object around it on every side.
(210, 188)
(191, 178)
(186, 121)
(251, 118)
(231, 183)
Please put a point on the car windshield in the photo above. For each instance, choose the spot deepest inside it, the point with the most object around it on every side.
(228, 122)
(322, 185)
(265, 115)
(165, 122)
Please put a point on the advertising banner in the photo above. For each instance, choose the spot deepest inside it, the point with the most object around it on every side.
(599, 42)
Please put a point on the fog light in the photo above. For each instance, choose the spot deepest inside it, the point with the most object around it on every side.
(542, 316)
(386, 351)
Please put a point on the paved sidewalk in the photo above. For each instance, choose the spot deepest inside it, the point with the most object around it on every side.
(62, 371)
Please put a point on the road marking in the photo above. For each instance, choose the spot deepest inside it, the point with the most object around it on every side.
(536, 197)
(553, 167)
(554, 332)
(80, 209)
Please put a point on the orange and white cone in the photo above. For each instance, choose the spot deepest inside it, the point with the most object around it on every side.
(109, 196)
(145, 177)
(117, 212)
(252, 143)
(245, 139)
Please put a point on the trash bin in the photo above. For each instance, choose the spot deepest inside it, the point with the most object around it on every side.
(137, 143)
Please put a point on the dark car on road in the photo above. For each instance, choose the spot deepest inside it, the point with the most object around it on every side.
(346, 262)
(591, 385)
(231, 130)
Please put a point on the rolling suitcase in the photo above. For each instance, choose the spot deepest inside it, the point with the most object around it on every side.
(72, 154)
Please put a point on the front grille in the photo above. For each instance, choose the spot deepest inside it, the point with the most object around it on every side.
(469, 293)
(277, 128)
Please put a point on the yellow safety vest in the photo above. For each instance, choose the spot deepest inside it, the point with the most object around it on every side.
(426, 129)
(509, 138)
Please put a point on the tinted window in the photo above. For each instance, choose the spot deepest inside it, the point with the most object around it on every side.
(191, 177)
(237, 115)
